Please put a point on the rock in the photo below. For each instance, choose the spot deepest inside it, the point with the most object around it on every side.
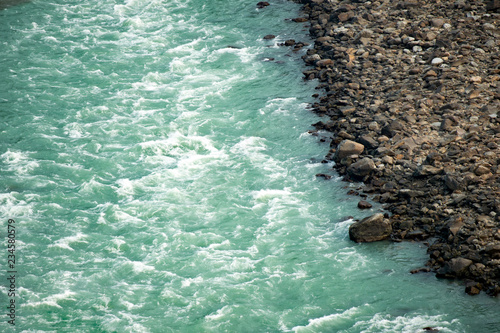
(325, 176)
(269, 36)
(368, 142)
(262, 4)
(393, 128)
(473, 288)
(300, 19)
(437, 61)
(451, 183)
(427, 170)
(345, 16)
(364, 205)
(362, 167)
(370, 229)
(347, 148)
(324, 62)
(493, 5)
(455, 225)
(456, 267)
(437, 22)
(482, 169)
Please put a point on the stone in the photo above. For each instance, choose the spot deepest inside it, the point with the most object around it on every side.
(493, 5)
(392, 129)
(451, 183)
(362, 204)
(437, 22)
(437, 61)
(269, 36)
(459, 265)
(262, 4)
(427, 170)
(362, 167)
(482, 169)
(370, 229)
(347, 148)
(368, 142)
(455, 268)
(324, 62)
(455, 225)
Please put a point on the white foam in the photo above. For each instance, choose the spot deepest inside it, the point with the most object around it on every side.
(52, 300)
(19, 161)
(140, 267)
(265, 195)
(64, 243)
(329, 323)
(404, 324)
(189, 281)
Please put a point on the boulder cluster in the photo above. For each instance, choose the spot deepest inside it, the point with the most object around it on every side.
(409, 92)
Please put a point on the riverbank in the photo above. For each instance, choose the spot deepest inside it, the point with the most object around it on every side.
(416, 86)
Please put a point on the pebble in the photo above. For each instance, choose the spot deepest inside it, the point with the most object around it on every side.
(437, 61)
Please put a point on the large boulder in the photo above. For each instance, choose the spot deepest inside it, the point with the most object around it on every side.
(347, 148)
(362, 167)
(455, 268)
(370, 229)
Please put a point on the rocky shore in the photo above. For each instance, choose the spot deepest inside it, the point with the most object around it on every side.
(409, 93)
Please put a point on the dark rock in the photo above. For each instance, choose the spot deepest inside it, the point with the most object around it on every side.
(392, 129)
(368, 142)
(451, 183)
(493, 5)
(455, 268)
(364, 205)
(269, 36)
(362, 167)
(262, 4)
(370, 229)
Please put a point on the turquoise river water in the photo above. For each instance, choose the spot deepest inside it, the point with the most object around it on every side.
(162, 179)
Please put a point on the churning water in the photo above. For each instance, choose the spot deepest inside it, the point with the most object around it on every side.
(161, 179)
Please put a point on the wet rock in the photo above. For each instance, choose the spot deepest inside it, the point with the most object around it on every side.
(262, 4)
(364, 205)
(269, 36)
(370, 229)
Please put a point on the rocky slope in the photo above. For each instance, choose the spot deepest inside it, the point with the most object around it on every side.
(410, 93)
